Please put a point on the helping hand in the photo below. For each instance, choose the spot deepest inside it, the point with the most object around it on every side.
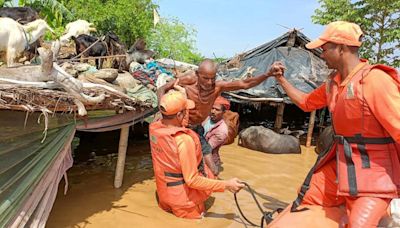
(179, 88)
(234, 185)
(277, 69)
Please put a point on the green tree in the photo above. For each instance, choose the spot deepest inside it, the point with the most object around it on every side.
(52, 10)
(379, 20)
(129, 19)
(173, 39)
(55, 13)
(6, 3)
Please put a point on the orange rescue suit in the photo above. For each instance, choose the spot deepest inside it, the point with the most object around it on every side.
(171, 187)
(366, 146)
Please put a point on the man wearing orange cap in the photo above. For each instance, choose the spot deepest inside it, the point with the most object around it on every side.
(361, 169)
(216, 131)
(182, 187)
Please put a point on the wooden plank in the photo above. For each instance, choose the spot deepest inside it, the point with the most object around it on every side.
(255, 99)
(310, 128)
(279, 116)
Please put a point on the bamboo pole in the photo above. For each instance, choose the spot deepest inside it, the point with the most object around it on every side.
(86, 49)
(91, 58)
(310, 128)
(279, 116)
(123, 144)
(259, 99)
(322, 120)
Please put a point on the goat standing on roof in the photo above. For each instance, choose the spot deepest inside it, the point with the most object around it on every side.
(15, 38)
(23, 15)
(75, 29)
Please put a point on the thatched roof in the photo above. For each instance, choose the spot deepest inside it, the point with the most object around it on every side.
(38, 100)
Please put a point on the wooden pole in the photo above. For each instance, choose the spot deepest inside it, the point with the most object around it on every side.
(91, 57)
(279, 116)
(86, 49)
(123, 144)
(260, 99)
(310, 128)
(322, 120)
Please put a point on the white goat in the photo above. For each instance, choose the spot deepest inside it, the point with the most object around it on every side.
(15, 38)
(75, 29)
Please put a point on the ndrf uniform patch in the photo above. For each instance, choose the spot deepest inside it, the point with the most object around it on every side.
(328, 86)
(350, 91)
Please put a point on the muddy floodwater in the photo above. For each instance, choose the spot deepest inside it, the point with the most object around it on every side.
(92, 201)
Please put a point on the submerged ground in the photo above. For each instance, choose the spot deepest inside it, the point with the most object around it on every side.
(92, 201)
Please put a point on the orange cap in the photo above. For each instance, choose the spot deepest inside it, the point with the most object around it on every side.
(223, 101)
(174, 102)
(338, 32)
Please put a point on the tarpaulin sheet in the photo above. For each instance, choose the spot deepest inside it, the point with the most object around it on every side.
(24, 160)
(33, 159)
(300, 63)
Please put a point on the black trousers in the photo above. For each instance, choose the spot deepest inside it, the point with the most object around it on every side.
(205, 146)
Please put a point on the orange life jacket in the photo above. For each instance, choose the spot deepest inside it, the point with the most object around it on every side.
(171, 186)
(367, 156)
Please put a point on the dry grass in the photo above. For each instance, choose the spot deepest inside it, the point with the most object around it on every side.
(37, 100)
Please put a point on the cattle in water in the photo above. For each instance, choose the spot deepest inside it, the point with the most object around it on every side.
(265, 140)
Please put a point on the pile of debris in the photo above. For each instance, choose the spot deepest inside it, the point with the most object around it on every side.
(72, 88)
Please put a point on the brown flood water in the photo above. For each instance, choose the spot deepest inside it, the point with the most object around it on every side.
(92, 201)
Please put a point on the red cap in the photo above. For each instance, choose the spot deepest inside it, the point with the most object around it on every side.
(223, 101)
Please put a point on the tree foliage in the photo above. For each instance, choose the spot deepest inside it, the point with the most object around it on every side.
(173, 39)
(129, 19)
(379, 20)
(53, 11)
(6, 3)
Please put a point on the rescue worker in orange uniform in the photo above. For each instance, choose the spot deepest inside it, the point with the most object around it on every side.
(361, 168)
(183, 181)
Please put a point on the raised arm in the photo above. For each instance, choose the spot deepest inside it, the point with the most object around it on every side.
(295, 94)
(184, 79)
(276, 68)
(163, 89)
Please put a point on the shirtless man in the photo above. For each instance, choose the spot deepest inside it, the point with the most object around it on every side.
(202, 88)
